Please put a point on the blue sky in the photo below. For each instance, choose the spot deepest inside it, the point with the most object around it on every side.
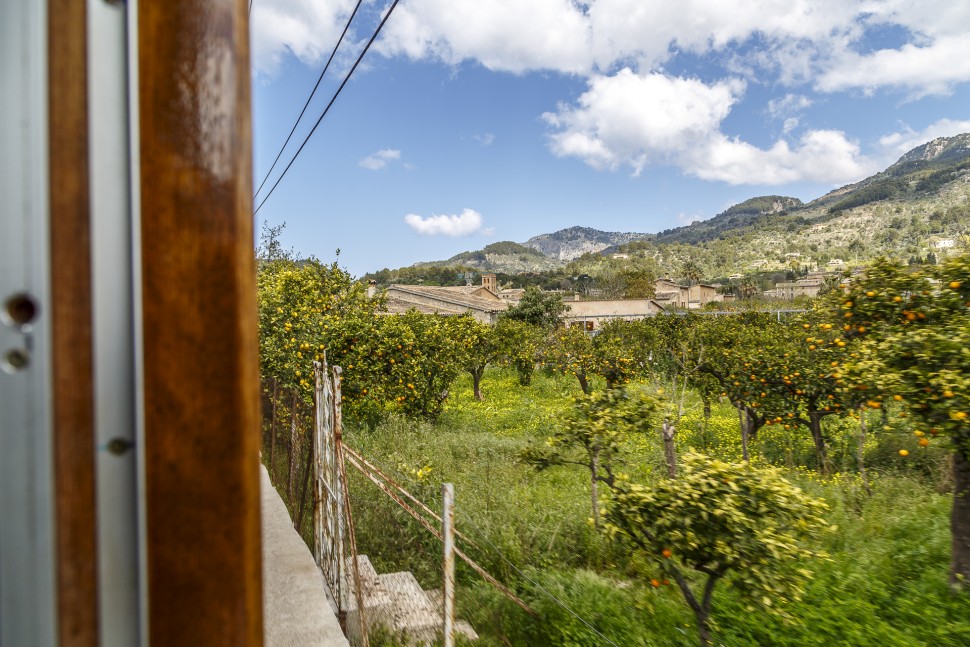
(474, 121)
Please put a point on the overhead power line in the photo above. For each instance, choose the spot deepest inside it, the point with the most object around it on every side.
(329, 105)
(308, 99)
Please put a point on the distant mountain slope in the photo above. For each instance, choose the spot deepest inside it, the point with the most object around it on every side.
(505, 256)
(569, 244)
(907, 211)
(942, 150)
(733, 219)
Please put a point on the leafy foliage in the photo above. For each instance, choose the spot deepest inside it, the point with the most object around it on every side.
(519, 346)
(538, 308)
(722, 518)
(593, 433)
(917, 325)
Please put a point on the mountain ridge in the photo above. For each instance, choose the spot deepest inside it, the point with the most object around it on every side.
(897, 211)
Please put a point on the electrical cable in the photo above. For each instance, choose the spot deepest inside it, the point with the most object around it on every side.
(309, 98)
(329, 105)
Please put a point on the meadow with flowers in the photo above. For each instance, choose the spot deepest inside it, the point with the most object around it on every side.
(728, 480)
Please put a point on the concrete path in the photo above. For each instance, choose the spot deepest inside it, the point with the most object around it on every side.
(296, 612)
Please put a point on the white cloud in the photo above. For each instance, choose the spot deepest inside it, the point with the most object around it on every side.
(630, 119)
(466, 223)
(380, 159)
(507, 35)
(637, 120)
(690, 218)
(821, 42)
(820, 156)
(308, 29)
(788, 108)
(920, 69)
(788, 105)
(900, 143)
(485, 139)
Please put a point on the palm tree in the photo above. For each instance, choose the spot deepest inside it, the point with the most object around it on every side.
(748, 287)
(691, 271)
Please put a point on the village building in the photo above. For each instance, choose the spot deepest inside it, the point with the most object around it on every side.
(511, 294)
(480, 301)
(809, 286)
(591, 315)
(667, 293)
(670, 294)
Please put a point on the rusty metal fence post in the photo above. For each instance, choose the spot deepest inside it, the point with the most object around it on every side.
(448, 575)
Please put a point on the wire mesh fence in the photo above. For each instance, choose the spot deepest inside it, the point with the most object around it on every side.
(402, 567)
(397, 601)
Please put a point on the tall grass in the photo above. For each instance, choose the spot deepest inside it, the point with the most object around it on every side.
(883, 584)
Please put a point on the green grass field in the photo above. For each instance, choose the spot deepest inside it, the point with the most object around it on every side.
(884, 583)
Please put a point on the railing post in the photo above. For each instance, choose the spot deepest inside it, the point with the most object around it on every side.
(448, 536)
(317, 458)
(343, 600)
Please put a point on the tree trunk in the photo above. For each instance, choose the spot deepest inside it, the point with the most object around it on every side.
(815, 426)
(701, 608)
(960, 523)
(594, 464)
(670, 451)
(683, 396)
(583, 383)
(703, 629)
(298, 521)
(477, 383)
(744, 433)
(861, 451)
(291, 478)
(272, 432)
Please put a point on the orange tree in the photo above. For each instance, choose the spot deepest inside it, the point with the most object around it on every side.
(520, 346)
(569, 349)
(625, 350)
(916, 330)
(541, 309)
(721, 521)
(481, 345)
(300, 304)
(593, 433)
(736, 344)
(685, 344)
(407, 362)
(800, 376)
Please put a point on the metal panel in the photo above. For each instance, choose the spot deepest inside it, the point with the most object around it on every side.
(113, 282)
(27, 591)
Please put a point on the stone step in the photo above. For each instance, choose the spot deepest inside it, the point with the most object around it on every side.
(397, 602)
(463, 627)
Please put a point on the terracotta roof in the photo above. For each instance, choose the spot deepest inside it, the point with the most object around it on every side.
(397, 306)
(450, 297)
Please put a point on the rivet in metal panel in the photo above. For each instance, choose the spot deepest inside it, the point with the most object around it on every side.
(19, 310)
(14, 360)
(119, 446)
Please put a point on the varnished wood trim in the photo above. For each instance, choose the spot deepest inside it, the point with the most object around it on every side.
(199, 325)
(73, 402)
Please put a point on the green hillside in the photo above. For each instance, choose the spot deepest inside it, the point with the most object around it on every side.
(911, 210)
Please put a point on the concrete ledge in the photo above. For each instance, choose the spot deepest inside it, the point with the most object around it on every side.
(296, 612)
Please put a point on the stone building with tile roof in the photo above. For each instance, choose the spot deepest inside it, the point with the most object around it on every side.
(479, 301)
